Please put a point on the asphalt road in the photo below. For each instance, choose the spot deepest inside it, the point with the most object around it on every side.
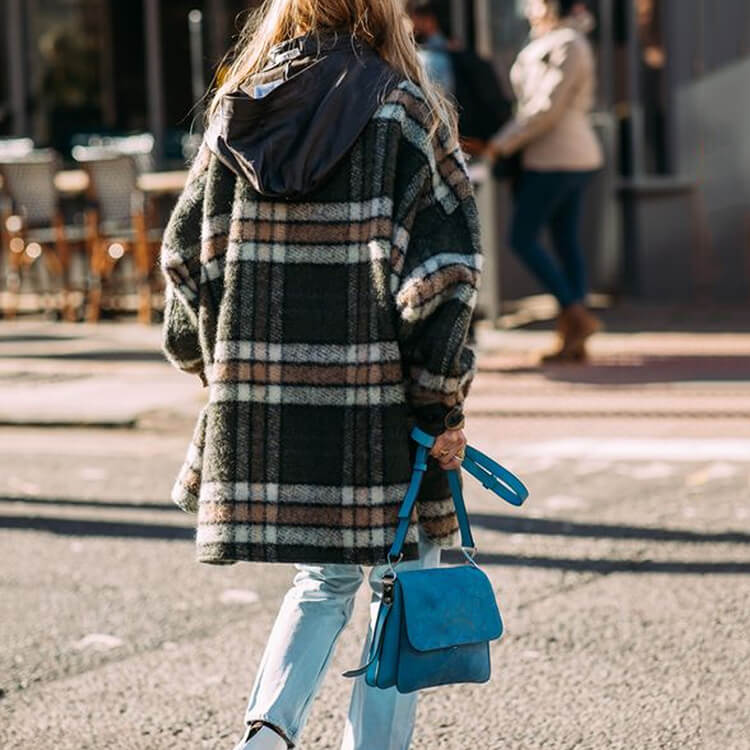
(624, 584)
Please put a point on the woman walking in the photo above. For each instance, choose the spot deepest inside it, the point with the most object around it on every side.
(554, 79)
(322, 267)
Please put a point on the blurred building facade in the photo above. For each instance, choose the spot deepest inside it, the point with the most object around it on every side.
(79, 66)
(669, 219)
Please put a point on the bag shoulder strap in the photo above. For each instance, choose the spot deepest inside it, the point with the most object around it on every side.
(491, 474)
(424, 442)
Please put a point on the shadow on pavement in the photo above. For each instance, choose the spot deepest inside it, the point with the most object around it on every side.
(36, 337)
(83, 527)
(514, 525)
(104, 504)
(491, 521)
(638, 316)
(633, 369)
(105, 355)
(604, 565)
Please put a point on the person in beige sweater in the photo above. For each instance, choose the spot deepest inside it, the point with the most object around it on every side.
(554, 82)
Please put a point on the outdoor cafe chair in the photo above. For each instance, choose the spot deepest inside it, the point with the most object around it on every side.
(117, 224)
(33, 228)
(140, 146)
(13, 148)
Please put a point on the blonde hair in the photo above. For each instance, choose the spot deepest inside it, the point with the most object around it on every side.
(382, 24)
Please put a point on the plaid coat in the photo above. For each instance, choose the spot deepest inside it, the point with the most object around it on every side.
(324, 327)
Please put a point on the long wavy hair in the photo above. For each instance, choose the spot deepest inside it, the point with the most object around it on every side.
(382, 24)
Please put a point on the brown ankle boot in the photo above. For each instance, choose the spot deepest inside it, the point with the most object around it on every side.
(575, 325)
(581, 325)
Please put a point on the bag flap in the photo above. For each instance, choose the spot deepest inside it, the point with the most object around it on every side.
(446, 607)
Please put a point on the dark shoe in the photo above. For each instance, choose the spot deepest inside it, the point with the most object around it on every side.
(259, 736)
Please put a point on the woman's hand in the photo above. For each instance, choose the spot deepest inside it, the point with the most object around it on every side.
(449, 449)
(494, 150)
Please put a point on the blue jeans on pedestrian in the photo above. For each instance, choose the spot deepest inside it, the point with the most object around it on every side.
(552, 199)
(299, 650)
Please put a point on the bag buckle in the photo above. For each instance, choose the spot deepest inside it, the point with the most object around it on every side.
(389, 583)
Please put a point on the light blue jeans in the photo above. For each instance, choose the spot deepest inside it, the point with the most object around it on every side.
(314, 612)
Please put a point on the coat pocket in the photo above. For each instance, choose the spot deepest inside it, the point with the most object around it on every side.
(186, 489)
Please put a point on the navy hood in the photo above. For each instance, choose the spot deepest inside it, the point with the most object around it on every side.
(289, 126)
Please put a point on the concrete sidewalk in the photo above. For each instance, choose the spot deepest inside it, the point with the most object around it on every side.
(628, 374)
(113, 374)
(624, 581)
(624, 585)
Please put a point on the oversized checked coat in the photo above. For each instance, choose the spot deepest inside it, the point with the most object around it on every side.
(324, 326)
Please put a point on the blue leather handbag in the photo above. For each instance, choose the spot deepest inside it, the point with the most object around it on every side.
(434, 625)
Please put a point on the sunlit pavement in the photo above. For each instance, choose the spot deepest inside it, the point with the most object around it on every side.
(624, 582)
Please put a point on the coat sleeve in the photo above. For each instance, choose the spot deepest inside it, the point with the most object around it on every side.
(436, 285)
(542, 108)
(180, 263)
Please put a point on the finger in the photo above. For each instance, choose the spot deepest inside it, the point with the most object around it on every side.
(453, 464)
(445, 450)
(455, 447)
(448, 443)
(453, 457)
(444, 445)
(453, 440)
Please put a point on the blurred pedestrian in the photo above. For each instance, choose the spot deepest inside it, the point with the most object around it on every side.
(434, 45)
(322, 267)
(463, 75)
(554, 81)
(469, 80)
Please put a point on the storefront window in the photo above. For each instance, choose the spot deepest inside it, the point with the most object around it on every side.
(80, 67)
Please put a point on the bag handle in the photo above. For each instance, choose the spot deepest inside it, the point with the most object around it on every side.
(494, 477)
(491, 474)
